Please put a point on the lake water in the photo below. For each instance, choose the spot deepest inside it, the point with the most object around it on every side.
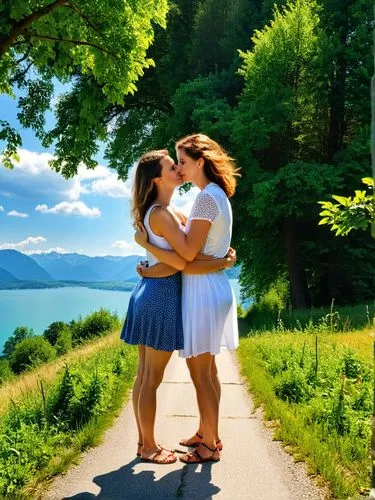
(37, 309)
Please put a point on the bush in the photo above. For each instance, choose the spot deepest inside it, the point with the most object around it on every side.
(5, 371)
(64, 342)
(54, 330)
(31, 352)
(19, 334)
(293, 386)
(94, 325)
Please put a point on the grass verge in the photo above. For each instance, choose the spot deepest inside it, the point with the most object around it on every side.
(60, 410)
(317, 389)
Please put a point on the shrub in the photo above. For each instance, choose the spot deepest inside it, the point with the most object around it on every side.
(54, 330)
(19, 334)
(5, 371)
(94, 325)
(63, 342)
(293, 386)
(31, 352)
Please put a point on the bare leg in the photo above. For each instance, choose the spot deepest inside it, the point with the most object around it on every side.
(155, 363)
(200, 370)
(136, 390)
(200, 432)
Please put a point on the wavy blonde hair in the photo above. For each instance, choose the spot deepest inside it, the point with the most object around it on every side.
(144, 189)
(219, 167)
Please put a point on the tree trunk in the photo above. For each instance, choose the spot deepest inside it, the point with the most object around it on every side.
(297, 276)
(337, 94)
(19, 26)
(372, 493)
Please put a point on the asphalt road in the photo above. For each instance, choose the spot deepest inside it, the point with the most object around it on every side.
(253, 466)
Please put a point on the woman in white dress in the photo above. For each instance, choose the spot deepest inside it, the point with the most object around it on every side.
(208, 302)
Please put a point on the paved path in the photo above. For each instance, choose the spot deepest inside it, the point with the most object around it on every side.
(253, 467)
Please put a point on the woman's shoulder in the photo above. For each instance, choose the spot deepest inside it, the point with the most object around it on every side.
(216, 192)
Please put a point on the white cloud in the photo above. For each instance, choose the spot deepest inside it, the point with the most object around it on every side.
(50, 250)
(1, 208)
(21, 245)
(32, 177)
(14, 213)
(110, 186)
(184, 203)
(127, 248)
(70, 208)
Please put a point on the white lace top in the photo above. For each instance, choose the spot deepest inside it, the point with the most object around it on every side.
(212, 204)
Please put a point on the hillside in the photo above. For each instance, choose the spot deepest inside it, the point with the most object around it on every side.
(22, 267)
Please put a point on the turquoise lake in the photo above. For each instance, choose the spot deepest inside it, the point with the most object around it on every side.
(37, 309)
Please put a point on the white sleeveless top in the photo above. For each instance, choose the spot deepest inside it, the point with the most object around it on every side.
(154, 239)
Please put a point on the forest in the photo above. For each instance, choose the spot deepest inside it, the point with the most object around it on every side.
(283, 86)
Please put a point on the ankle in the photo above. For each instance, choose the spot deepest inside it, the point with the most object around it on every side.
(211, 445)
(150, 447)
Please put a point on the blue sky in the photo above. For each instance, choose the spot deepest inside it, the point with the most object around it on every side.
(40, 211)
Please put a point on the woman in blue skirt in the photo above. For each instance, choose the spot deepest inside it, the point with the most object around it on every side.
(154, 318)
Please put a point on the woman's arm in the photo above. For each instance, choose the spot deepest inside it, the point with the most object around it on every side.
(205, 266)
(187, 246)
(159, 270)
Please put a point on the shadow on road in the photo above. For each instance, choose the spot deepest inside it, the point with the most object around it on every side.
(126, 483)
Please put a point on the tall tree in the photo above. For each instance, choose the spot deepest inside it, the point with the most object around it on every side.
(284, 140)
(104, 43)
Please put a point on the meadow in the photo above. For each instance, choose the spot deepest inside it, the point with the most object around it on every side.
(315, 385)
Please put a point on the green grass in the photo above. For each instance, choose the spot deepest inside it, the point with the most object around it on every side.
(266, 317)
(319, 398)
(43, 431)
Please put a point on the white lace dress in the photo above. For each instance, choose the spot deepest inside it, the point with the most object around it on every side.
(209, 309)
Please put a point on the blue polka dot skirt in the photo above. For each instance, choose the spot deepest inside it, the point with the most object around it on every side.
(154, 317)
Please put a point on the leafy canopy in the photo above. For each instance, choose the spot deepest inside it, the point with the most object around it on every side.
(352, 212)
(103, 43)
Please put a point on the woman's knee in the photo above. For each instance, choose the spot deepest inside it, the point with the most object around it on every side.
(152, 378)
(200, 373)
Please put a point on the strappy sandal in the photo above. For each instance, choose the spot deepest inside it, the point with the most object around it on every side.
(139, 444)
(196, 444)
(169, 459)
(160, 446)
(196, 458)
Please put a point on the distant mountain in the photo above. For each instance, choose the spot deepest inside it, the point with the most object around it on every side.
(127, 271)
(77, 267)
(72, 267)
(6, 276)
(22, 267)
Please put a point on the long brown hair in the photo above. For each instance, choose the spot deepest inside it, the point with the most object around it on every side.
(219, 167)
(144, 189)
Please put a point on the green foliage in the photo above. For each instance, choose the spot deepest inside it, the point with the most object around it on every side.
(31, 352)
(321, 398)
(5, 371)
(102, 43)
(95, 324)
(293, 386)
(349, 213)
(41, 435)
(266, 314)
(64, 342)
(19, 334)
(299, 129)
(54, 330)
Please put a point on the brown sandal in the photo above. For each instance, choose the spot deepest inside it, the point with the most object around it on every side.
(196, 444)
(160, 446)
(139, 444)
(169, 459)
(197, 458)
